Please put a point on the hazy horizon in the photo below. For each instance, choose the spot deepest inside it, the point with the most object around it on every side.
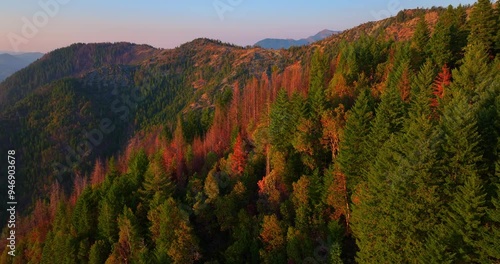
(45, 25)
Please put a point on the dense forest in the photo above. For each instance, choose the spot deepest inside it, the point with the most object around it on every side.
(377, 145)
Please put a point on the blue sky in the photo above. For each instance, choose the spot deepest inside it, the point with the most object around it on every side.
(169, 23)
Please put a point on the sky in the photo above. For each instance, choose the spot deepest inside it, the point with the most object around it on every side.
(45, 25)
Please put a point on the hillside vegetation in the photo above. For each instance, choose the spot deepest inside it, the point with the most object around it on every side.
(376, 145)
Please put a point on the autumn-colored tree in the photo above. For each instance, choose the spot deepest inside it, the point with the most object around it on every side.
(273, 238)
(336, 195)
(79, 184)
(239, 156)
(333, 125)
(441, 83)
(98, 174)
(130, 243)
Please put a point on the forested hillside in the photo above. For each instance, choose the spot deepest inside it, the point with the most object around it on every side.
(377, 145)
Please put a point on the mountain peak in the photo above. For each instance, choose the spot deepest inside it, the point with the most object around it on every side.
(272, 43)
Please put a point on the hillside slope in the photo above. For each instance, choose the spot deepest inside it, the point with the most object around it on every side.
(376, 145)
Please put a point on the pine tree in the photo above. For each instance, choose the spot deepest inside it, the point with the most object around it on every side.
(157, 181)
(441, 84)
(490, 246)
(60, 244)
(353, 157)
(317, 83)
(440, 44)
(460, 154)
(483, 24)
(422, 91)
(138, 166)
(84, 216)
(211, 186)
(245, 243)
(106, 222)
(238, 157)
(130, 243)
(99, 252)
(465, 219)
(273, 239)
(301, 201)
(389, 118)
(282, 123)
(399, 203)
(172, 233)
(420, 42)
(473, 76)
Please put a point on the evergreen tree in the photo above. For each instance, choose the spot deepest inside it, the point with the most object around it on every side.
(211, 186)
(460, 154)
(483, 24)
(473, 76)
(282, 123)
(172, 233)
(422, 91)
(399, 204)
(465, 219)
(353, 157)
(84, 218)
(317, 83)
(420, 42)
(490, 246)
(130, 243)
(389, 118)
(60, 244)
(99, 252)
(138, 166)
(157, 181)
(440, 44)
(245, 245)
(273, 239)
(239, 157)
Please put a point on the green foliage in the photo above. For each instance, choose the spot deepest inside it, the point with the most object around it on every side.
(317, 83)
(420, 42)
(483, 24)
(99, 252)
(473, 76)
(60, 244)
(353, 156)
(465, 218)
(84, 214)
(282, 122)
(173, 234)
(366, 169)
(157, 181)
(245, 246)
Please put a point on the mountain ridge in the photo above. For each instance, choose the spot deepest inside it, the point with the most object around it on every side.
(276, 43)
(11, 63)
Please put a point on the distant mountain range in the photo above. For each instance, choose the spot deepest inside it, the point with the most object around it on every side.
(271, 43)
(11, 63)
